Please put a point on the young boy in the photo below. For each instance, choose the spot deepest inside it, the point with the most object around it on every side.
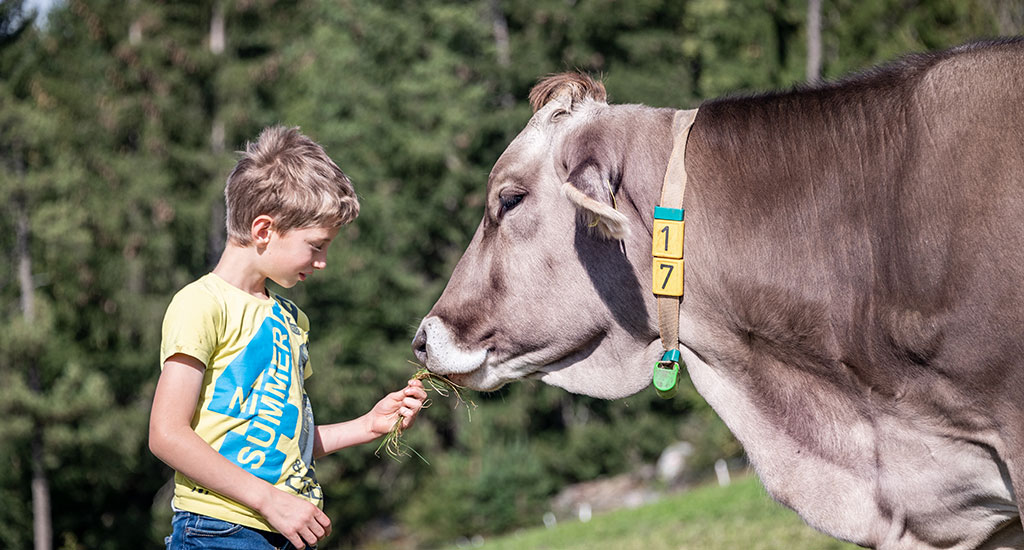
(230, 413)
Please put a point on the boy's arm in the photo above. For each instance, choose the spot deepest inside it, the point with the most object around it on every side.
(172, 440)
(406, 402)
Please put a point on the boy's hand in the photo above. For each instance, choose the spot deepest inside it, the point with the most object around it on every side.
(406, 403)
(300, 521)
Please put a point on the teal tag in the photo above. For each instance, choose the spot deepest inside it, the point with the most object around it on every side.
(666, 374)
(673, 214)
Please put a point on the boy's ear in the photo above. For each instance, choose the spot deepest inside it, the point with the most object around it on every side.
(261, 228)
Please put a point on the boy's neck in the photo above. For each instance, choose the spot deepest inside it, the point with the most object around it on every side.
(238, 267)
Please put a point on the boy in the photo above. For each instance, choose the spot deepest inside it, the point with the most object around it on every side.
(230, 413)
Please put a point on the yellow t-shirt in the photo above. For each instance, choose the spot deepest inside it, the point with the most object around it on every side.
(253, 407)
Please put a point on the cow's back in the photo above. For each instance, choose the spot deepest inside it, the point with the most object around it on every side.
(890, 206)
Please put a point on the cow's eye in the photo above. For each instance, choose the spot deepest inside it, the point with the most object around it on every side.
(508, 202)
(558, 114)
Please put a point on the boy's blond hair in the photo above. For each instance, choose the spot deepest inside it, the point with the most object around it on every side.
(289, 177)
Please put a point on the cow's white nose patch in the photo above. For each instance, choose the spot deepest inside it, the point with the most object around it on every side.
(443, 356)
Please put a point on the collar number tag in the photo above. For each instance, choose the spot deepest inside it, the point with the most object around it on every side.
(667, 249)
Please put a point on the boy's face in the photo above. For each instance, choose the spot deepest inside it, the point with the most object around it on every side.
(292, 256)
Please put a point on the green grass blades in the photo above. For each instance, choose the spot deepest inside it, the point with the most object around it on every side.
(392, 443)
(707, 518)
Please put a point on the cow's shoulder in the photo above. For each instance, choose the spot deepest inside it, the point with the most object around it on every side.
(983, 74)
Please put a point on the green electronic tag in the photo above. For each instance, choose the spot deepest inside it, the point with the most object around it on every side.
(666, 374)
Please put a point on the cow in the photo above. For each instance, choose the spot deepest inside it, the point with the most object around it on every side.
(853, 303)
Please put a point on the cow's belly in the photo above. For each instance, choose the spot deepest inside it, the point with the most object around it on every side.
(879, 483)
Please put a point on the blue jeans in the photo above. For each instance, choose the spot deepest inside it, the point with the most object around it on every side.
(190, 531)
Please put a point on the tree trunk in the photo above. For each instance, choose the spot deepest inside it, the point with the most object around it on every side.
(217, 38)
(500, 26)
(41, 522)
(42, 527)
(501, 45)
(217, 236)
(813, 40)
(1009, 16)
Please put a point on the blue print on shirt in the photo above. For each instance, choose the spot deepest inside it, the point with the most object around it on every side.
(255, 387)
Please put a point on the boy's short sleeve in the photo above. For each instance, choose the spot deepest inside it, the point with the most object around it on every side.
(191, 325)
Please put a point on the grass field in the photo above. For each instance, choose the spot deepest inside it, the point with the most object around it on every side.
(738, 517)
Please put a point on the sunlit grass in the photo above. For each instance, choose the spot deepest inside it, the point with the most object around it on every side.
(741, 516)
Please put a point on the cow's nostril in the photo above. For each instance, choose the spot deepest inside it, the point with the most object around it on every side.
(419, 346)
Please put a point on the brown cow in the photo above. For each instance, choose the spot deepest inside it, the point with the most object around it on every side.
(854, 292)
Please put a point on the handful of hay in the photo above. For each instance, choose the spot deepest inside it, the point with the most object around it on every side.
(392, 444)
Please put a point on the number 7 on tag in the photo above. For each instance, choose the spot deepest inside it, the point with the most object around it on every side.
(668, 277)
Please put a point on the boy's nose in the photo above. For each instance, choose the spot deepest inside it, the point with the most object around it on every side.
(319, 264)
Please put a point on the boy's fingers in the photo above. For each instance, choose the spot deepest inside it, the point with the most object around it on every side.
(296, 540)
(409, 412)
(322, 519)
(309, 538)
(414, 385)
(417, 392)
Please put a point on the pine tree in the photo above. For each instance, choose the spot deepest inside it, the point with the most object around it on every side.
(24, 129)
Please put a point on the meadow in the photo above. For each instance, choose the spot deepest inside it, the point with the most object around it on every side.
(740, 516)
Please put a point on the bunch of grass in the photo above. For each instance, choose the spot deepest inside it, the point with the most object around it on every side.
(392, 443)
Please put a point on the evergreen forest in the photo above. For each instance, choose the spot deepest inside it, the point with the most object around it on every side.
(120, 120)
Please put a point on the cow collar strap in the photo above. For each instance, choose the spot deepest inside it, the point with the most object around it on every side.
(667, 250)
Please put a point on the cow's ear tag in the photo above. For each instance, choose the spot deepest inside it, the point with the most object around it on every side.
(666, 374)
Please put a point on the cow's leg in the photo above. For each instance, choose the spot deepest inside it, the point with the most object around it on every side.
(1010, 537)
(1012, 453)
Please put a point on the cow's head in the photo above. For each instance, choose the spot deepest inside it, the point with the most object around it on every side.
(555, 284)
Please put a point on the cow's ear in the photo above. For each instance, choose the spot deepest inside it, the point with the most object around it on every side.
(594, 198)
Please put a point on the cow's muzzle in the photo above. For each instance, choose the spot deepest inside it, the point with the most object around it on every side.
(435, 349)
